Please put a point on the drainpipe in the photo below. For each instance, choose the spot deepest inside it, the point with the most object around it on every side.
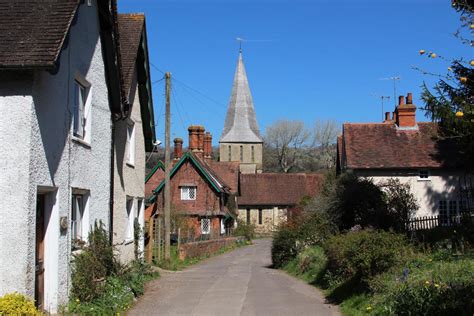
(112, 169)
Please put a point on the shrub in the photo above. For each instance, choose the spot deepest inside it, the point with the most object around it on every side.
(285, 245)
(314, 228)
(90, 268)
(17, 304)
(245, 229)
(361, 255)
(310, 264)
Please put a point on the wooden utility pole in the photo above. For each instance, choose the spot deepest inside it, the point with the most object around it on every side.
(167, 170)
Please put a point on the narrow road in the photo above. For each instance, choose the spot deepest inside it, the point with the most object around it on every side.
(236, 283)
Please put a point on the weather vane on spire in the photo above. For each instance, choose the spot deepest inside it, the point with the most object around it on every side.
(240, 40)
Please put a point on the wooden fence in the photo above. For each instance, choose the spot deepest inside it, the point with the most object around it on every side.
(431, 222)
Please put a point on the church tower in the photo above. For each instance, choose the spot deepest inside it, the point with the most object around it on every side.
(241, 140)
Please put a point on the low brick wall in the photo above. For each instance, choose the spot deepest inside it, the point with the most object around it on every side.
(207, 247)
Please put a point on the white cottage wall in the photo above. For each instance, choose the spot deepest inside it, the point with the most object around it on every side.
(43, 157)
(129, 180)
(17, 222)
(441, 185)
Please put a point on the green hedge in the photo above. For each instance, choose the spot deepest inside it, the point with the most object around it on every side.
(363, 254)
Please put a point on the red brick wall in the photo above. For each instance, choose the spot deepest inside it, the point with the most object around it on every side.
(208, 247)
(207, 200)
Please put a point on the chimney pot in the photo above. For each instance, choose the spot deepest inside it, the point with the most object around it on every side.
(401, 100)
(200, 133)
(409, 98)
(193, 138)
(178, 148)
(387, 116)
(208, 145)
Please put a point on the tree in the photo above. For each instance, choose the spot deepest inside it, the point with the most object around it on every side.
(451, 103)
(324, 141)
(287, 138)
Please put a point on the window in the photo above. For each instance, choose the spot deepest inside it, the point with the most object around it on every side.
(188, 193)
(222, 226)
(76, 216)
(241, 153)
(79, 217)
(260, 215)
(230, 152)
(424, 175)
(448, 210)
(131, 144)
(253, 153)
(205, 226)
(130, 220)
(82, 109)
(248, 216)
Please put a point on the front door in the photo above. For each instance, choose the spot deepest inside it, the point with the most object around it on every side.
(39, 261)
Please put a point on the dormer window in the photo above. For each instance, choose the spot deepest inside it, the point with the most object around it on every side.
(424, 175)
(188, 193)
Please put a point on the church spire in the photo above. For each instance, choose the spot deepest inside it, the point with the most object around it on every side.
(241, 122)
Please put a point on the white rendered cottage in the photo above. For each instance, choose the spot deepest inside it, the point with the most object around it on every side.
(59, 95)
(134, 136)
(402, 148)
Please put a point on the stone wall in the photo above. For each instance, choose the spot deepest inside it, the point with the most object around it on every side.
(271, 217)
(208, 247)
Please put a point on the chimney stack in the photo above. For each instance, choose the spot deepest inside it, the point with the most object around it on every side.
(178, 148)
(200, 131)
(208, 145)
(406, 113)
(193, 138)
(387, 117)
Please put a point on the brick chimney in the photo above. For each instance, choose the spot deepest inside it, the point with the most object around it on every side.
(207, 145)
(193, 138)
(387, 117)
(201, 130)
(406, 113)
(178, 148)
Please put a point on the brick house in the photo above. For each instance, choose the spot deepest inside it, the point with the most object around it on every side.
(268, 199)
(404, 149)
(202, 191)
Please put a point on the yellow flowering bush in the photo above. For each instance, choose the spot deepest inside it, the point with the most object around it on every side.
(17, 304)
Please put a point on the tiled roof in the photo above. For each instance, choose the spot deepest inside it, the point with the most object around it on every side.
(130, 28)
(32, 32)
(228, 172)
(278, 188)
(382, 145)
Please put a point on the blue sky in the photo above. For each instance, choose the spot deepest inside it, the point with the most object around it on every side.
(319, 59)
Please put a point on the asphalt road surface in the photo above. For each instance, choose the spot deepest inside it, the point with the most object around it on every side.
(239, 282)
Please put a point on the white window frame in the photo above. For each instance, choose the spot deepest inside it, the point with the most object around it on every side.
(79, 215)
(130, 216)
(205, 220)
(424, 175)
(82, 106)
(131, 143)
(186, 193)
(222, 226)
